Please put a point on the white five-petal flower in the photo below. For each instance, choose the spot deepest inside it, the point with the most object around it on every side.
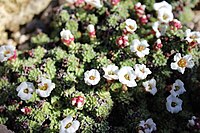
(140, 48)
(66, 34)
(148, 125)
(141, 71)
(70, 1)
(127, 76)
(111, 72)
(131, 25)
(182, 62)
(174, 104)
(25, 90)
(6, 52)
(165, 16)
(92, 77)
(68, 125)
(45, 87)
(94, 3)
(192, 36)
(177, 88)
(159, 28)
(191, 122)
(161, 5)
(150, 86)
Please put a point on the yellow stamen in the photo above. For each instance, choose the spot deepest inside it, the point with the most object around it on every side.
(173, 104)
(140, 48)
(92, 77)
(44, 87)
(165, 16)
(111, 73)
(127, 77)
(68, 125)
(26, 90)
(182, 62)
(6, 52)
(177, 88)
(131, 27)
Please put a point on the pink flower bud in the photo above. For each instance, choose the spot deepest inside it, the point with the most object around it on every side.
(122, 41)
(143, 19)
(78, 101)
(74, 101)
(175, 24)
(67, 42)
(14, 56)
(79, 2)
(91, 31)
(26, 110)
(139, 9)
(158, 45)
(115, 2)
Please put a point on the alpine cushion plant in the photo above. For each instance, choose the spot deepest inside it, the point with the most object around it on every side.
(104, 66)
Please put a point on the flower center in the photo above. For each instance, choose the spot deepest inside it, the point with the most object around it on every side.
(44, 87)
(165, 16)
(26, 91)
(111, 73)
(92, 77)
(193, 37)
(140, 48)
(131, 27)
(173, 104)
(6, 52)
(68, 125)
(147, 126)
(127, 77)
(182, 63)
(150, 86)
(177, 88)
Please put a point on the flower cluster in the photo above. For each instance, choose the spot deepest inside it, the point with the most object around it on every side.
(104, 66)
(126, 75)
(174, 104)
(25, 89)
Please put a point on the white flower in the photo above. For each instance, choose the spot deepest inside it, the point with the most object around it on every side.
(150, 86)
(165, 16)
(177, 88)
(45, 87)
(141, 71)
(66, 36)
(68, 125)
(148, 125)
(141, 48)
(131, 25)
(25, 90)
(92, 77)
(71, 1)
(127, 76)
(6, 52)
(95, 3)
(174, 104)
(192, 121)
(111, 72)
(90, 28)
(192, 36)
(182, 62)
(162, 5)
(159, 28)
